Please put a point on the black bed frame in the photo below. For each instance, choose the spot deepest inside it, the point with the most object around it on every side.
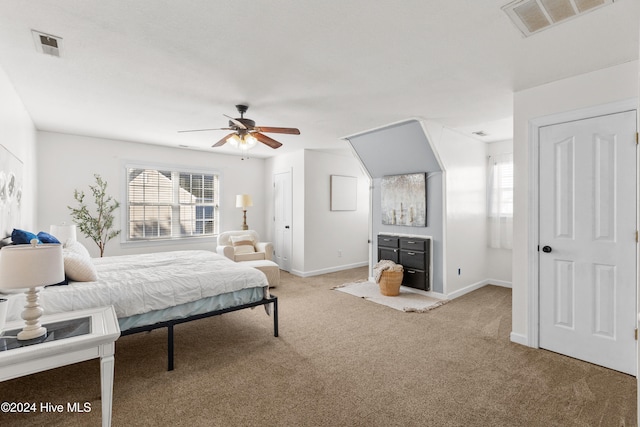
(169, 324)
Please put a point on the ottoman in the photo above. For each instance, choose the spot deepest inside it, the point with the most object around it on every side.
(269, 268)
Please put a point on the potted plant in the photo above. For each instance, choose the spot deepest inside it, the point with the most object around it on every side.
(98, 226)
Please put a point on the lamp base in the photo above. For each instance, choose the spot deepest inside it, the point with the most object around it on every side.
(244, 225)
(31, 315)
(26, 335)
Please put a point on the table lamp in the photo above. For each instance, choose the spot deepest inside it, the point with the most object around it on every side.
(242, 201)
(65, 233)
(31, 266)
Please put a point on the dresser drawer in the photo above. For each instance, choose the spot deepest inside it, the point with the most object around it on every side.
(388, 241)
(389, 254)
(415, 279)
(413, 259)
(413, 244)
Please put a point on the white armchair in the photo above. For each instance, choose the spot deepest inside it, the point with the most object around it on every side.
(243, 245)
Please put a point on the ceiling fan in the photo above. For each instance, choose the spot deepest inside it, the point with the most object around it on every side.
(246, 134)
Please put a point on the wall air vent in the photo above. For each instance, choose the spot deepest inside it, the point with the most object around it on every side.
(47, 44)
(532, 16)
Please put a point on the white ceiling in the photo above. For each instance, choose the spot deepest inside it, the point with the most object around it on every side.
(142, 70)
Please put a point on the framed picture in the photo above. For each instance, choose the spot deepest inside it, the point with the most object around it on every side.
(344, 192)
(10, 192)
(404, 199)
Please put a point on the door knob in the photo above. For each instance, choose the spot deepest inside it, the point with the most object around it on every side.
(286, 226)
(546, 249)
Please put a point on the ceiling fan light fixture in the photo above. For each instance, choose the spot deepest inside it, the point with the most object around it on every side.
(242, 142)
(250, 141)
(234, 140)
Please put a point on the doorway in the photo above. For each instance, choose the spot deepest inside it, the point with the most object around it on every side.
(282, 203)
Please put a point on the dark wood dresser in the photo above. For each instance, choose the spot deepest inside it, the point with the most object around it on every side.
(414, 253)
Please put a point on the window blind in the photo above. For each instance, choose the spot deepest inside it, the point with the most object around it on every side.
(167, 204)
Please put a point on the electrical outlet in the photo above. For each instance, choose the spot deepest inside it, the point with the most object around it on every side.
(339, 253)
(459, 271)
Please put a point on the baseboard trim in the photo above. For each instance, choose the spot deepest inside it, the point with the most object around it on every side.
(467, 289)
(501, 283)
(474, 286)
(329, 270)
(519, 339)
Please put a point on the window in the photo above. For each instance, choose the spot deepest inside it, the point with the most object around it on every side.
(500, 201)
(169, 204)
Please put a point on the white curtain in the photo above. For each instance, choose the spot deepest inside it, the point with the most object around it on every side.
(500, 201)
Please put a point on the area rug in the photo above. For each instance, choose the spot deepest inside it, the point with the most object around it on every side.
(409, 300)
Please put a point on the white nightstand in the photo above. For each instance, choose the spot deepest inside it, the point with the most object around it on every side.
(72, 337)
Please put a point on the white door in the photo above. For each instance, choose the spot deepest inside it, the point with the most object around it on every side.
(587, 240)
(282, 218)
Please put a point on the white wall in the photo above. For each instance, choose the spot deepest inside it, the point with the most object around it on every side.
(464, 161)
(327, 232)
(19, 138)
(499, 261)
(318, 233)
(596, 88)
(67, 162)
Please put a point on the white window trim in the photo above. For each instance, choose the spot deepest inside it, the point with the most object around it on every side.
(124, 219)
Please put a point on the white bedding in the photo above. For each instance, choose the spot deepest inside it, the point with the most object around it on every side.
(136, 284)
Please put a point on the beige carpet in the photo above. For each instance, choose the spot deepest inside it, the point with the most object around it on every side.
(338, 362)
(409, 300)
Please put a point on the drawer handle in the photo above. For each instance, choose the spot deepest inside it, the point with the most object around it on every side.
(411, 253)
(411, 243)
(411, 272)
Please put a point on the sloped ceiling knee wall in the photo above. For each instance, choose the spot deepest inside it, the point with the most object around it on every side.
(397, 149)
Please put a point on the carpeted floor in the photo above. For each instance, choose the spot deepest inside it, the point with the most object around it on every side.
(339, 361)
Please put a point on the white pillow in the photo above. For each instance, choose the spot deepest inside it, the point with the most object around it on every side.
(77, 248)
(79, 268)
(243, 244)
(77, 263)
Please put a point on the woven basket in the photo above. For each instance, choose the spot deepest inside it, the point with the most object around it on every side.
(390, 282)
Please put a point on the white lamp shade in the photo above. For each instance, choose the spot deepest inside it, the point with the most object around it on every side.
(64, 233)
(29, 266)
(243, 200)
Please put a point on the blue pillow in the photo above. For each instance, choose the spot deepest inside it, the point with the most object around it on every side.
(45, 237)
(21, 237)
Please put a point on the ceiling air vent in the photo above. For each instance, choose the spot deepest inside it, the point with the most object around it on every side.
(47, 44)
(531, 16)
(480, 133)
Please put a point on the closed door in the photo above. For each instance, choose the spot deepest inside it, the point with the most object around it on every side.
(282, 219)
(587, 240)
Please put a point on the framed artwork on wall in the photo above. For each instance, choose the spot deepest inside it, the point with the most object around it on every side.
(404, 199)
(344, 192)
(10, 192)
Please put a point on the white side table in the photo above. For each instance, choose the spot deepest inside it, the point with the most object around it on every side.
(72, 337)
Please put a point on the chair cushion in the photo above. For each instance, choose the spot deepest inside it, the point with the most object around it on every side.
(249, 257)
(243, 244)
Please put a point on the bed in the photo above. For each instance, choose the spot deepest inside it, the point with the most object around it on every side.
(158, 290)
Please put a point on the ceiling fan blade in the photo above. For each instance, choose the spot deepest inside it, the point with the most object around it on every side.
(223, 140)
(266, 140)
(203, 130)
(290, 131)
(236, 122)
